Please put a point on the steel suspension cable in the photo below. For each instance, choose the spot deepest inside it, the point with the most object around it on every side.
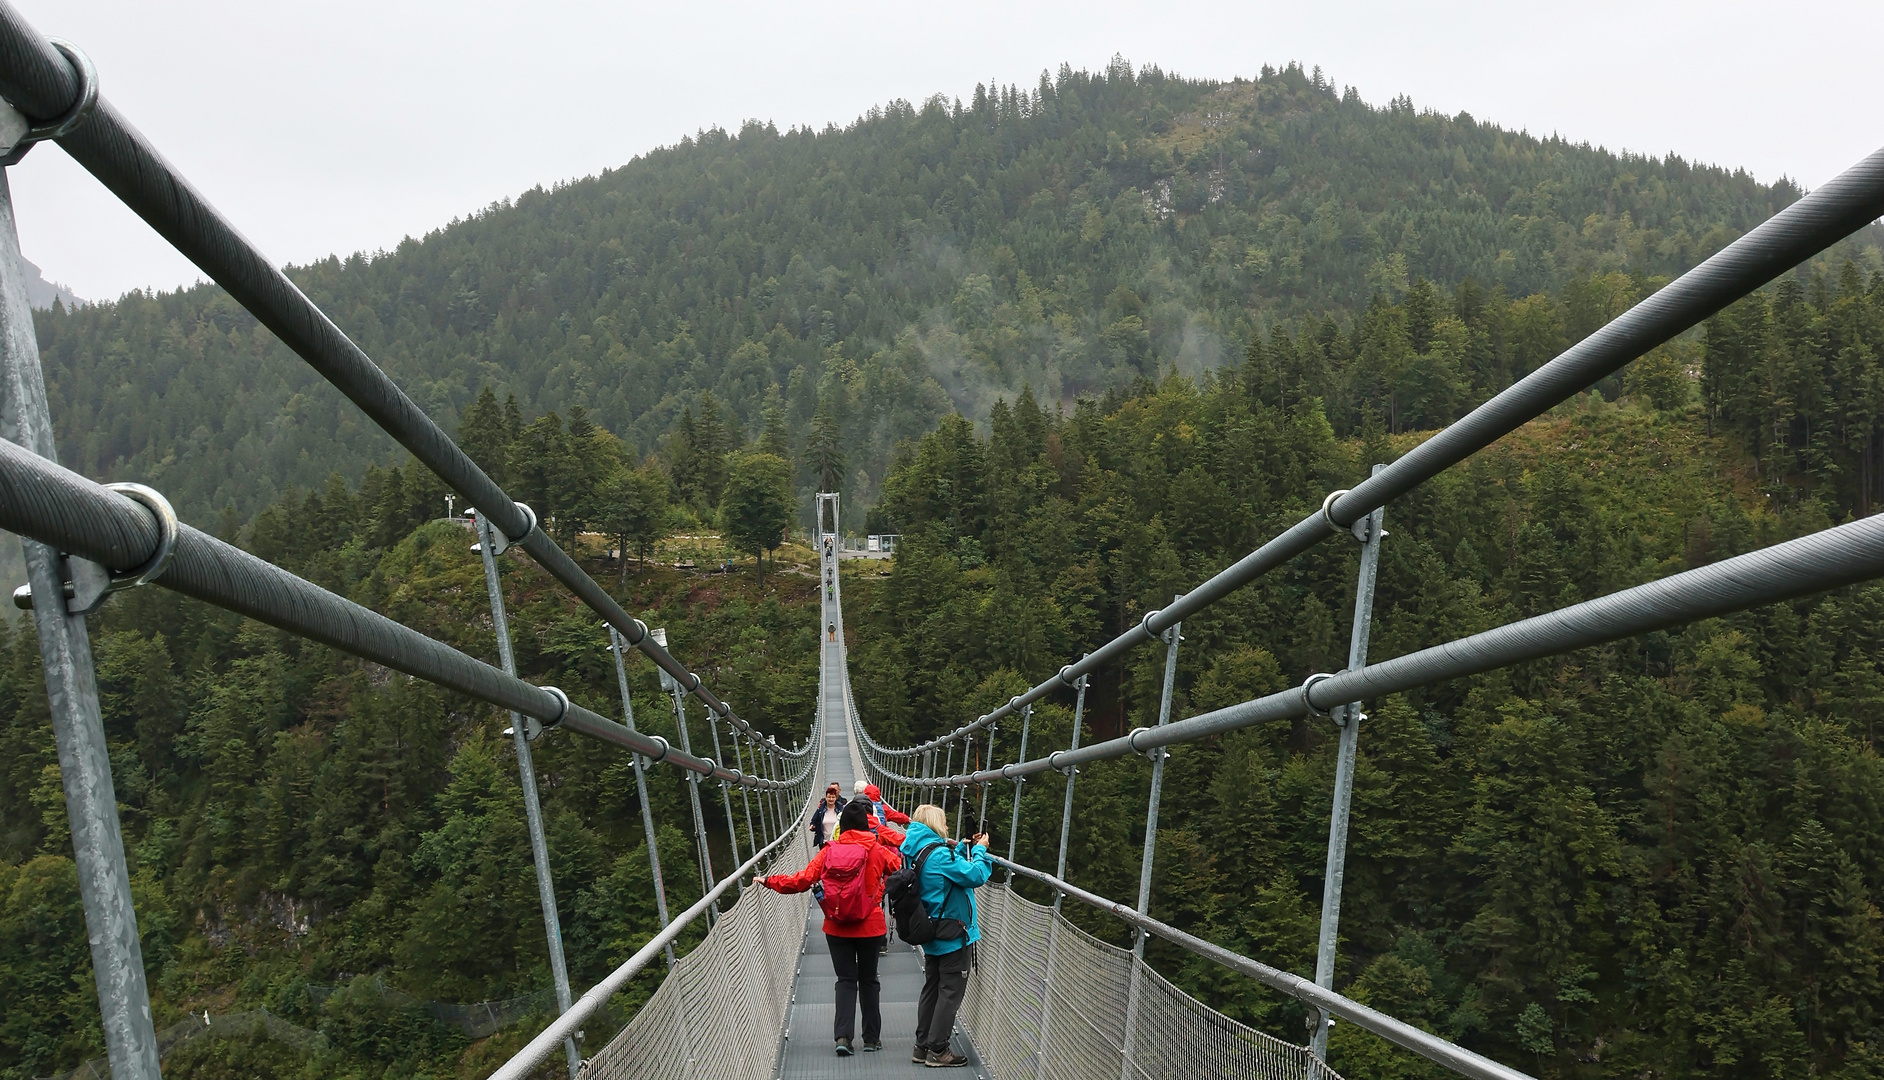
(38, 80)
(1842, 555)
(54, 505)
(1848, 202)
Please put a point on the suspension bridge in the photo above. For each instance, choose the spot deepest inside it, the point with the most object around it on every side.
(753, 999)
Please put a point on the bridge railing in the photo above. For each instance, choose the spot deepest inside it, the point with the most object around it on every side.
(1051, 1002)
(83, 541)
(1828, 559)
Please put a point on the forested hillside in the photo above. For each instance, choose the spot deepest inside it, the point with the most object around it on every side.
(1069, 237)
(1657, 858)
(1082, 344)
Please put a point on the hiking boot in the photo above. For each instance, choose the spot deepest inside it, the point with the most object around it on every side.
(945, 1059)
(873, 1047)
(920, 1055)
(843, 1048)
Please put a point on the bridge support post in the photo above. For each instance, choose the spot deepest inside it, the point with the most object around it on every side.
(726, 796)
(65, 652)
(532, 807)
(641, 788)
(781, 804)
(981, 815)
(693, 794)
(745, 797)
(1349, 718)
(1172, 638)
(1066, 812)
(1013, 829)
(1053, 925)
(948, 770)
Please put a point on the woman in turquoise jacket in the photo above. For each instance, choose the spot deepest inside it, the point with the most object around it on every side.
(949, 875)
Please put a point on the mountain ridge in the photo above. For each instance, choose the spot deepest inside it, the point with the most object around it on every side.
(1067, 237)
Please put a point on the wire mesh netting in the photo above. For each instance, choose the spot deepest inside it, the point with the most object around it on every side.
(1049, 1002)
(720, 1012)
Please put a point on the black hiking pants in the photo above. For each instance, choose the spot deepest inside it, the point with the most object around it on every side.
(944, 982)
(855, 961)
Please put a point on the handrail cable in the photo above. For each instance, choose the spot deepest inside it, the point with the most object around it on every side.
(1844, 204)
(39, 80)
(54, 505)
(1841, 555)
(45, 502)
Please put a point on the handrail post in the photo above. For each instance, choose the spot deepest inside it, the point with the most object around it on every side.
(1066, 812)
(1027, 720)
(981, 814)
(745, 796)
(693, 795)
(641, 789)
(526, 776)
(948, 770)
(1349, 717)
(1171, 639)
(726, 796)
(65, 654)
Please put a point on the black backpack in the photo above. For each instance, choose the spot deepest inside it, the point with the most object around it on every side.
(904, 889)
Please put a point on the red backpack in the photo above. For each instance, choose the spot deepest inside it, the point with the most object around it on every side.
(846, 899)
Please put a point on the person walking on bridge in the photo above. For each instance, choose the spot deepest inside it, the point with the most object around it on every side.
(864, 789)
(946, 878)
(852, 868)
(824, 818)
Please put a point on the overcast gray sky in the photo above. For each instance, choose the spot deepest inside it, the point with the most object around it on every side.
(348, 124)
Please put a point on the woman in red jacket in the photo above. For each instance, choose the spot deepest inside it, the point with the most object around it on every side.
(852, 868)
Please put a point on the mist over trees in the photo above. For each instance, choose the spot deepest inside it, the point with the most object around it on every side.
(1082, 343)
(1069, 236)
(1653, 858)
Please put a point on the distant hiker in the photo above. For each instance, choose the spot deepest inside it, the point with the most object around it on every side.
(824, 818)
(889, 834)
(945, 874)
(883, 809)
(832, 628)
(851, 869)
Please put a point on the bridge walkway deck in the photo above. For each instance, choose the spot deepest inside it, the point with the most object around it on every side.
(809, 1051)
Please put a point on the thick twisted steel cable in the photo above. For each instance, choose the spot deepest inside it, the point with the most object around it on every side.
(52, 504)
(38, 80)
(1426, 1044)
(1851, 200)
(1841, 555)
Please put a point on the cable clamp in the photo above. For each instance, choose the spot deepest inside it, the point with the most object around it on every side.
(1145, 623)
(91, 583)
(562, 699)
(662, 756)
(1154, 753)
(532, 728)
(1327, 509)
(1309, 684)
(18, 134)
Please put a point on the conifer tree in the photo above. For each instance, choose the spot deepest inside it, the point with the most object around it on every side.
(756, 513)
